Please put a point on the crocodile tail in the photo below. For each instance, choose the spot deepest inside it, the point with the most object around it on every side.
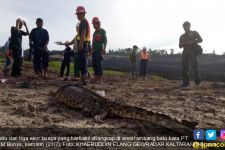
(153, 117)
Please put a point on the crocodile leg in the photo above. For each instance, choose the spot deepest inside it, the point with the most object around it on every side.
(99, 118)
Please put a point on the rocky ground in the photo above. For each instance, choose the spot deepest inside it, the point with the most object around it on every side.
(35, 107)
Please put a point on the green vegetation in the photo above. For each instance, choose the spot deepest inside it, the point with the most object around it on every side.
(126, 52)
(157, 78)
(55, 65)
(1, 61)
(115, 73)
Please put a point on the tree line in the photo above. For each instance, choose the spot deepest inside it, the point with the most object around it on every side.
(126, 52)
(117, 52)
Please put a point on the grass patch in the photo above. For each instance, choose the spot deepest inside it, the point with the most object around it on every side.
(2, 60)
(28, 62)
(115, 73)
(56, 65)
(157, 78)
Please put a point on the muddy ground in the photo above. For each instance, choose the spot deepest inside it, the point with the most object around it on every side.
(35, 107)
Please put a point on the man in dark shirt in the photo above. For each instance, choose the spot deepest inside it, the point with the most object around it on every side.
(188, 41)
(39, 39)
(84, 34)
(16, 45)
(134, 61)
(66, 61)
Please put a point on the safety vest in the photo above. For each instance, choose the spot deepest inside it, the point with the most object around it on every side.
(77, 37)
(87, 37)
(144, 55)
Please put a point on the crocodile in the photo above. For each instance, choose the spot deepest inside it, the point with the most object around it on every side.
(99, 107)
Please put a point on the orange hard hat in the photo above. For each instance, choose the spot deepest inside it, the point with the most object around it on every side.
(95, 20)
(80, 9)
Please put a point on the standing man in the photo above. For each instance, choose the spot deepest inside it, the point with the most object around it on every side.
(188, 41)
(134, 61)
(16, 45)
(144, 58)
(39, 40)
(98, 49)
(84, 34)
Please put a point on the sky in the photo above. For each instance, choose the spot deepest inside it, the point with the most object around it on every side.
(156, 24)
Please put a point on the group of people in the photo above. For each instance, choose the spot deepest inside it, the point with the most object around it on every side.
(144, 57)
(84, 48)
(38, 41)
(191, 49)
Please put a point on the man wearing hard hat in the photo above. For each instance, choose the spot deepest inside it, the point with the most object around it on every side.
(98, 49)
(84, 34)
